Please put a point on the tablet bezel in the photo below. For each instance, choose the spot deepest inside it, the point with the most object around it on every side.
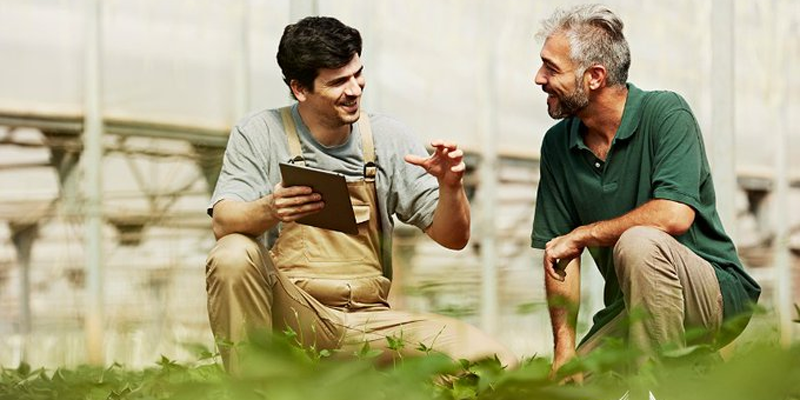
(338, 212)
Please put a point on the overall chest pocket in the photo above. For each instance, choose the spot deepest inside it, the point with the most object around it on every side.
(327, 246)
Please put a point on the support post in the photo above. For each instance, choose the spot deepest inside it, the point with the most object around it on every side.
(23, 236)
(782, 262)
(488, 171)
(92, 158)
(722, 111)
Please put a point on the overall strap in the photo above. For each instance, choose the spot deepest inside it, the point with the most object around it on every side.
(370, 168)
(291, 135)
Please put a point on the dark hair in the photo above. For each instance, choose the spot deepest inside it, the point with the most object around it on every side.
(313, 43)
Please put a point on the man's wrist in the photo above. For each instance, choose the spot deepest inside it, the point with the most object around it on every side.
(453, 187)
(584, 235)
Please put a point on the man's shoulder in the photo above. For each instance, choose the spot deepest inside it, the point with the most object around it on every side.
(664, 101)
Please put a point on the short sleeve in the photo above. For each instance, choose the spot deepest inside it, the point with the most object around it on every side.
(243, 176)
(553, 216)
(677, 160)
(416, 192)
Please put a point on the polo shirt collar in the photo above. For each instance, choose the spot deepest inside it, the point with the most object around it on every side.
(630, 119)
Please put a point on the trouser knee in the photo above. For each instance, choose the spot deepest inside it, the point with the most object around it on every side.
(637, 249)
(234, 257)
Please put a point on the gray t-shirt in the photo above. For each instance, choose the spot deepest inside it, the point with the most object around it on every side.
(258, 143)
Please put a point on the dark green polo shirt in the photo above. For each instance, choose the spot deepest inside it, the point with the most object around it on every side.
(657, 153)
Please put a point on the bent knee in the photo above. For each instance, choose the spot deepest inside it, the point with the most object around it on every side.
(234, 256)
(639, 239)
(638, 245)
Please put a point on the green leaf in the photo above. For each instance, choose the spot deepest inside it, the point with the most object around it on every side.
(366, 352)
(396, 343)
(423, 348)
(465, 387)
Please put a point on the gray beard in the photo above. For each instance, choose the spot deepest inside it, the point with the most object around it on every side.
(570, 104)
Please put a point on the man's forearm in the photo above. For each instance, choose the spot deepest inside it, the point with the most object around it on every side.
(563, 300)
(451, 220)
(669, 216)
(250, 218)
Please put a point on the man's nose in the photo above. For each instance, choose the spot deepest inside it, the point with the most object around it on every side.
(354, 87)
(539, 78)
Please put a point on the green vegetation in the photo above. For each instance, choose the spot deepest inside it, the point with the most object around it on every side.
(275, 368)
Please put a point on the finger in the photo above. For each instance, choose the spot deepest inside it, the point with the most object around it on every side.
(441, 151)
(415, 160)
(554, 275)
(455, 154)
(291, 214)
(444, 144)
(460, 167)
(292, 191)
(549, 268)
(294, 201)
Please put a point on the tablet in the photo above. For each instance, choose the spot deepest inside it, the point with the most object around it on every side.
(338, 213)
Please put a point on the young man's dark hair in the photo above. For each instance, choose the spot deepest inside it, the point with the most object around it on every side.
(313, 43)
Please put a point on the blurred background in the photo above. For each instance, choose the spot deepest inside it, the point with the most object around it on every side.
(114, 116)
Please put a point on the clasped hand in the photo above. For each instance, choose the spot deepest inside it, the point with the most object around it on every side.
(561, 250)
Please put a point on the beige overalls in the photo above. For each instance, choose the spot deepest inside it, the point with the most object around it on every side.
(328, 286)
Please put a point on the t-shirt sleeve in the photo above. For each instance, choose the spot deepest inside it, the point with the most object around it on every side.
(677, 159)
(553, 216)
(416, 193)
(243, 176)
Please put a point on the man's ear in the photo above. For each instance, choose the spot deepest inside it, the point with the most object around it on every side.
(298, 90)
(597, 76)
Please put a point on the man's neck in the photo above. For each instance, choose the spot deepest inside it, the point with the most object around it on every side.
(603, 116)
(322, 131)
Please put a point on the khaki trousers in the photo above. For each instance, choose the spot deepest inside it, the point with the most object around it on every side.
(247, 293)
(673, 288)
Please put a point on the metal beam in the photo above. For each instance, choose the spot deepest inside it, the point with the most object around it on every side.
(73, 125)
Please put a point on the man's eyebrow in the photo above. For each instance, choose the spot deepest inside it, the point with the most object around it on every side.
(550, 64)
(341, 79)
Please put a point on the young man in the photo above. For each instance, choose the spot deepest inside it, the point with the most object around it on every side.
(269, 272)
(624, 174)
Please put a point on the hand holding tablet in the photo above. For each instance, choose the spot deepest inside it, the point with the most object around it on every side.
(338, 211)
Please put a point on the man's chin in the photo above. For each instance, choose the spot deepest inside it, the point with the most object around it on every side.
(351, 118)
(556, 114)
